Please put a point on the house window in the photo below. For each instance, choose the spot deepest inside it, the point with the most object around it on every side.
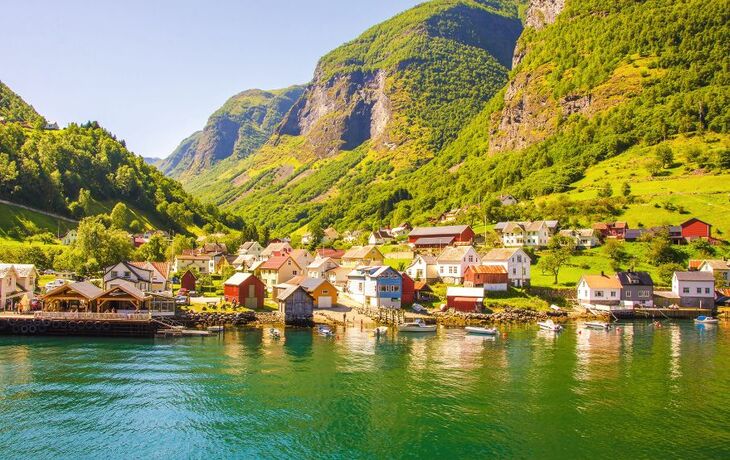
(325, 291)
(628, 294)
(707, 290)
(114, 274)
(519, 258)
(127, 274)
(471, 258)
(685, 290)
(599, 293)
(613, 293)
(441, 269)
(294, 272)
(699, 290)
(514, 271)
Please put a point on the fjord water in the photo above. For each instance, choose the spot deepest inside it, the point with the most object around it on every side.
(634, 392)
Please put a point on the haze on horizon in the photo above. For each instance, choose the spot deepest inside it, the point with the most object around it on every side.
(152, 72)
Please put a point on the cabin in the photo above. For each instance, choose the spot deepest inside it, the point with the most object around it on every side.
(514, 260)
(600, 292)
(489, 277)
(296, 305)
(527, 234)
(637, 289)
(278, 269)
(127, 272)
(204, 263)
(507, 200)
(330, 235)
(455, 234)
(611, 229)
(244, 289)
(321, 290)
(466, 299)
(376, 286)
(77, 297)
(70, 237)
(584, 238)
(452, 263)
(408, 290)
(719, 268)
(188, 280)
(362, 256)
(423, 267)
(695, 228)
(159, 282)
(694, 289)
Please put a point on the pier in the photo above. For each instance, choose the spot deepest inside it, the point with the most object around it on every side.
(81, 324)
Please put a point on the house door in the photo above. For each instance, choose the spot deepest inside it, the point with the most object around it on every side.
(251, 301)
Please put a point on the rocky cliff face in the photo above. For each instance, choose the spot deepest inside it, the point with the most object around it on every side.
(244, 123)
(543, 12)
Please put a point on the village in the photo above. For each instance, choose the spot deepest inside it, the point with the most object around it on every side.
(420, 271)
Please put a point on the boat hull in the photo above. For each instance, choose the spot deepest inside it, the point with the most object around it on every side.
(481, 330)
(417, 329)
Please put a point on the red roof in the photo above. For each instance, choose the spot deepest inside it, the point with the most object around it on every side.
(274, 263)
(329, 252)
(487, 269)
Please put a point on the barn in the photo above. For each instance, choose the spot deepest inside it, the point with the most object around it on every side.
(188, 280)
(467, 299)
(489, 277)
(244, 289)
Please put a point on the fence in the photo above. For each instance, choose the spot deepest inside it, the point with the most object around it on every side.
(67, 315)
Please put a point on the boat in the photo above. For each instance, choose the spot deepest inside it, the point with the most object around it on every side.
(706, 320)
(481, 330)
(215, 328)
(275, 333)
(549, 325)
(381, 330)
(597, 325)
(416, 326)
(325, 331)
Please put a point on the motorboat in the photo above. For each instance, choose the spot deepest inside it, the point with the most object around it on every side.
(706, 320)
(325, 331)
(275, 333)
(416, 326)
(418, 308)
(214, 328)
(481, 330)
(597, 325)
(549, 325)
(381, 330)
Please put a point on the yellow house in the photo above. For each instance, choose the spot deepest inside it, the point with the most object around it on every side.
(322, 291)
(277, 270)
(363, 256)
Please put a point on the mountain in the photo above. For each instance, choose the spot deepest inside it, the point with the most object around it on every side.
(242, 125)
(84, 170)
(451, 103)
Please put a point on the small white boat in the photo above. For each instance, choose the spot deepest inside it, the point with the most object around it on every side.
(275, 333)
(381, 330)
(549, 325)
(215, 328)
(418, 308)
(416, 326)
(325, 331)
(481, 330)
(706, 320)
(597, 325)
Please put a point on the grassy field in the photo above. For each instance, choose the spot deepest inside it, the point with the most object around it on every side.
(18, 217)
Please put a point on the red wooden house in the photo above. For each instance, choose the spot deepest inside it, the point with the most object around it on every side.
(407, 291)
(611, 229)
(187, 281)
(244, 289)
(490, 277)
(461, 234)
(695, 228)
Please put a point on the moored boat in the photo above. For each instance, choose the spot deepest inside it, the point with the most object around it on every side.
(275, 333)
(706, 320)
(416, 326)
(481, 330)
(215, 328)
(325, 331)
(597, 325)
(549, 325)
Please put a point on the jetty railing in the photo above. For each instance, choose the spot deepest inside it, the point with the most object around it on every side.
(71, 315)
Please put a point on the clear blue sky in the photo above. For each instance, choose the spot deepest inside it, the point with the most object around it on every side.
(152, 71)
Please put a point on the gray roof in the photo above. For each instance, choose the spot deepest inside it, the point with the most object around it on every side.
(435, 241)
(694, 276)
(634, 279)
(438, 231)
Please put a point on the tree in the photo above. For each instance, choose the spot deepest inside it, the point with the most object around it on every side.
(661, 250)
(666, 272)
(665, 156)
(155, 250)
(723, 159)
(615, 252)
(626, 190)
(703, 247)
(179, 243)
(120, 216)
(315, 235)
(560, 249)
(97, 246)
(605, 191)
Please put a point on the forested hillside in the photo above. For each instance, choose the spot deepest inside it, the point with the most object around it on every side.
(83, 170)
(14, 109)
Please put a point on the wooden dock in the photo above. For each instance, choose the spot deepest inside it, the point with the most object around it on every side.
(673, 313)
(100, 325)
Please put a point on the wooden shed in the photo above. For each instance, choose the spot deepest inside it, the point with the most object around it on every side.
(188, 280)
(489, 277)
(296, 305)
(464, 298)
(244, 289)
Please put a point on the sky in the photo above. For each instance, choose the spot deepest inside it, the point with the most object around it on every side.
(153, 71)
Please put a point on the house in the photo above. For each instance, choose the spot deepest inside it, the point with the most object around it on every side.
(338, 276)
(296, 305)
(376, 286)
(457, 235)
(334, 254)
(488, 277)
(466, 299)
(278, 269)
(719, 268)
(527, 234)
(27, 277)
(188, 280)
(248, 252)
(514, 260)
(423, 267)
(241, 262)
(17, 284)
(695, 264)
(401, 230)
(637, 289)
(362, 255)
(633, 234)
(79, 296)
(321, 290)
(694, 289)
(422, 291)
(277, 249)
(330, 235)
(127, 272)
(584, 238)
(436, 242)
(214, 248)
(408, 289)
(695, 228)
(382, 236)
(452, 263)
(673, 232)
(319, 267)
(611, 229)
(450, 216)
(302, 257)
(160, 281)
(204, 263)
(244, 289)
(70, 237)
(601, 292)
(507, 200)
(352, 237)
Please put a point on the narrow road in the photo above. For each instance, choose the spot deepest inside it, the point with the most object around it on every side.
(39, 211)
